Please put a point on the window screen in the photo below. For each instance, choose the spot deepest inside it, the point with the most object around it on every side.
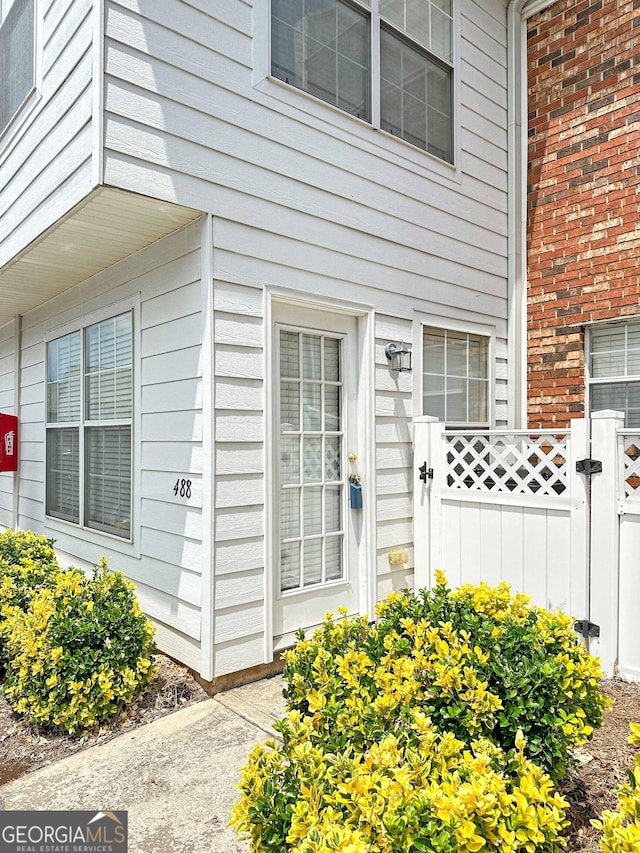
(89, 423)
(614, 370)
(17, 58)
(455, 376)
(325, 48)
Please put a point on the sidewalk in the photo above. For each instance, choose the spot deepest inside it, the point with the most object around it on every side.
(175, 777)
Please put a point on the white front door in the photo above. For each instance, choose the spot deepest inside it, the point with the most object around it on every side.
(315, 559)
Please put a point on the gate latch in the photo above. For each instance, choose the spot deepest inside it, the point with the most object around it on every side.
(586, 628)
(425, 473)
(588, 466)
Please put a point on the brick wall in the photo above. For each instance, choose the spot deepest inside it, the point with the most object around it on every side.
(583, 228)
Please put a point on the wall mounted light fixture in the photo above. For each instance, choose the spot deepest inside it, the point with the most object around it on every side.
(399, 356)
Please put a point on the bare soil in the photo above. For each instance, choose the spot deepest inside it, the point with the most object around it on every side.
(601, 767)
(25, 747)
(590, 786)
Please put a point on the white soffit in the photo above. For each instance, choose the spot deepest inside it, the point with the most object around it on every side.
(107, 226)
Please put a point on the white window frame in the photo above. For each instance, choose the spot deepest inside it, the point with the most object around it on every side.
(590, 381)
(428, 321)
(101, 538)
(327, 118)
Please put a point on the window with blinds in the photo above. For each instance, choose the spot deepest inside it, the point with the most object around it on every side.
(89, 420)
(327, 48)
(17, 58)
(614, 370)
(311, 467)
(455, 376)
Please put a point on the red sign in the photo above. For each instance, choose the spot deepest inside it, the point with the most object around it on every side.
(8, 442)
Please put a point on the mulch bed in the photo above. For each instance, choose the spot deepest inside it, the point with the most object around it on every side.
(601, 767)
(25, 747)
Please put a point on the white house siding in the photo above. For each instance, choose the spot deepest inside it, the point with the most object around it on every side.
(306, 198)
(46, 162)
(239, 461)
(394, 460)
(7, 405)
(315, 189)
(165, 560)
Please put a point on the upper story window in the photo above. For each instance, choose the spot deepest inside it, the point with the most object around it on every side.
(17, 56)
(455, 377)
(388, 62)
(89, 426)
(614, 370)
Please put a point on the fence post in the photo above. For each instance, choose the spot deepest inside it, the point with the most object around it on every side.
(605, 536)
(578, 604)
(422, 454)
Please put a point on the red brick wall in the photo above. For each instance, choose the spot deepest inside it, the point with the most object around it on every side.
(583, 228)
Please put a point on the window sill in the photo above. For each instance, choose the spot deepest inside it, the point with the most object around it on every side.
(335, 122)
(107, 543)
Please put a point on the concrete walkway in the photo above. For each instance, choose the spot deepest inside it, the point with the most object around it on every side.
(175, 777)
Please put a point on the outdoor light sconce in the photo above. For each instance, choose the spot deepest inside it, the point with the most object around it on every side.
(399, 356)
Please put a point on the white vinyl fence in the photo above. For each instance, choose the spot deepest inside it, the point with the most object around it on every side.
(556, 514)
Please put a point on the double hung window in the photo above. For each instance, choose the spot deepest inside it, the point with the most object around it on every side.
(17, 56)
(455, 377)
(89, 421)
(388, 62)
(614, 370)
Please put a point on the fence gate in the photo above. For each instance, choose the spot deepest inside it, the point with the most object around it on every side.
(545, 511)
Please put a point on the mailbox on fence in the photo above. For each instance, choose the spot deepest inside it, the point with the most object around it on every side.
(8, 442)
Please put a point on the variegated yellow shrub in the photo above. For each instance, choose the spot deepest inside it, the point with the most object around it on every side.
(621, 829)
(478, 661)
(78, 650)
(27, 562)
(414, 791)
(438, 729)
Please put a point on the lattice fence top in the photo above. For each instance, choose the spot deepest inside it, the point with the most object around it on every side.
(513, 463)
(631, 458)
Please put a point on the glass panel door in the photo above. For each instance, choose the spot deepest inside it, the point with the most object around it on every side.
(316, 536)
(311, 459)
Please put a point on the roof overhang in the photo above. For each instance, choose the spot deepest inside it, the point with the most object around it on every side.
(107, 226)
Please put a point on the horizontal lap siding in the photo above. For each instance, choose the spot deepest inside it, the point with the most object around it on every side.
(239, 466)
(166, 563)
(174, 125)
(394, 454)
(321, 205)
(45, 169)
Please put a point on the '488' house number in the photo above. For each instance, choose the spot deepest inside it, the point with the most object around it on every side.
(182, 488)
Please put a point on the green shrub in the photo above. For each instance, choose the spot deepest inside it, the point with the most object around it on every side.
(79, 649)
(478, 661)
(415, 791)
(621, 829)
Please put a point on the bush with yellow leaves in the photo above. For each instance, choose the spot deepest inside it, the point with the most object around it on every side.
(479, 661)
(27, 561)
(438, 729)
(621, 829)
(416, 790)
(77, 650)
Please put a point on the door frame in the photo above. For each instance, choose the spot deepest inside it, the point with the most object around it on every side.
(365, 403)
